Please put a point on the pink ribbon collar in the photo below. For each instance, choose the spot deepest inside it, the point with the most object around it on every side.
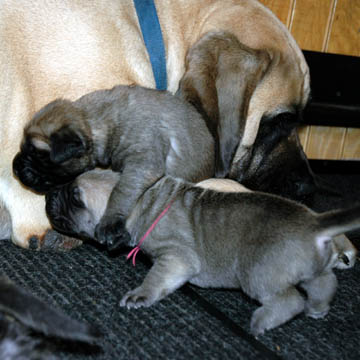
(136, 249)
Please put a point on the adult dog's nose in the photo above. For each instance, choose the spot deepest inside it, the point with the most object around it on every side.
(304, 188)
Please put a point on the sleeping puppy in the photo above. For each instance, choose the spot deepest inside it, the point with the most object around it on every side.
(141, 133)
(28, 326)
(264, 244)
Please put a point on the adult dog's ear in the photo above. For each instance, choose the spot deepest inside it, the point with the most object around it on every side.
(65, 144)
(221, 76)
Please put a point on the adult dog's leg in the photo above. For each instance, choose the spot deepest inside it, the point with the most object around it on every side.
(29, 224)
(28, 220)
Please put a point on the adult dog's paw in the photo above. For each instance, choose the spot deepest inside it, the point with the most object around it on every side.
(113, 234)
(138, 298)
(53, 241)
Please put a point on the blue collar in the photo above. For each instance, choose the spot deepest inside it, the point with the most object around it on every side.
(151, 32)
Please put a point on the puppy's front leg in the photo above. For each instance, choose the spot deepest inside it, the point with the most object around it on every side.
(138, 174)
(168, 273)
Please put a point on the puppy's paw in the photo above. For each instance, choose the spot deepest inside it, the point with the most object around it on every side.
(113, 234)
(138, 298)
(257, 327)
(260, 321)
(317, 313)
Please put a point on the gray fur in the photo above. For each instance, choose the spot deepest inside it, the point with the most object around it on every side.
(141, 133)
(262, 243)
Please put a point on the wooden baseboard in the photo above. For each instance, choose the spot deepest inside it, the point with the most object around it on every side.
(350, 167)
(335, 97)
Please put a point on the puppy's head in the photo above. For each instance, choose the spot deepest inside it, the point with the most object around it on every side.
(56, 147)
(252, 100)
(77, 207)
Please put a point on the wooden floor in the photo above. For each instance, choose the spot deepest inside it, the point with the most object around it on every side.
(331, 26)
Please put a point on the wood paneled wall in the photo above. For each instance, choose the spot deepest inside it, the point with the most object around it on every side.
(327, 26)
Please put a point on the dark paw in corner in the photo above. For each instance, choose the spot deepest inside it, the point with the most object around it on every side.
(53, 241)
(113, 234)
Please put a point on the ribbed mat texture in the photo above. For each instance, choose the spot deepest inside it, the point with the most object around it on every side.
(87, 283)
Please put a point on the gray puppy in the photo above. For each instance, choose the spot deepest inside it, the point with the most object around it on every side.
(262, 243)
(141, 133)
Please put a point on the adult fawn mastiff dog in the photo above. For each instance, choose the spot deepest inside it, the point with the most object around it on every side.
(239, 66)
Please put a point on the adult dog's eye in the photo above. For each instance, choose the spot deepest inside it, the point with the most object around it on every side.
(274, 128)
(75, 197)
(287, 120)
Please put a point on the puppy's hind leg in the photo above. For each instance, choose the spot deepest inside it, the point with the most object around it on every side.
(320, 292)
(276, 310)
(168, 273)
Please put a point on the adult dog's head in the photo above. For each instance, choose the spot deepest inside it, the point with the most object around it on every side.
(252, 101)
(56, 147)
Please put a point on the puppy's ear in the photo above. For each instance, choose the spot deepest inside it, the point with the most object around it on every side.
(65, 144)
(221, 76)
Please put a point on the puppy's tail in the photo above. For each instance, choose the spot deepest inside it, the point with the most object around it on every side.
(336, 222)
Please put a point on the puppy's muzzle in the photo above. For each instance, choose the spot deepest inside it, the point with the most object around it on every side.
(37, 172)
(29, 175)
